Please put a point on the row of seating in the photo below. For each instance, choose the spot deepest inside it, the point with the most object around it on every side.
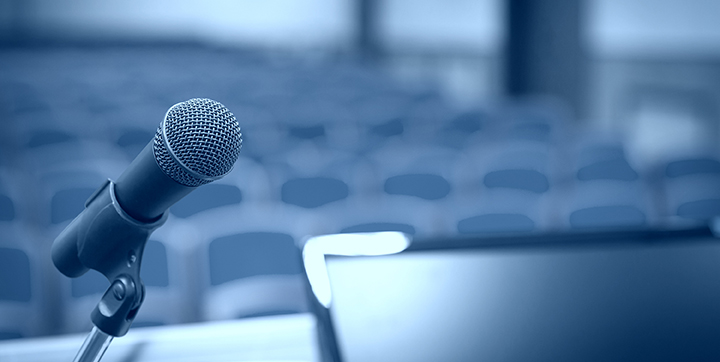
(221, 232)
(43, 144)
(104, 98)
(329, 146)
(522, 178)
(232, 260)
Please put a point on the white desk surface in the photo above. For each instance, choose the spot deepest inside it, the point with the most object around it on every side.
(278, 338)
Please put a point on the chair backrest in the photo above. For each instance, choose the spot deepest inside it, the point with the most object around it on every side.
(381, 118)
(15, 274)
(607, 216)
(426, 172)
(614, 169)
(24, 263)
(537, 119)
(7, 208)
(415, 186)
(492, 223)
(411, 215)
(55, 148)
(251, 265)
(15, 290)
(24, 298)
(423, 185)
(312, 192)
(692, 188)
(604, 189)
(510, 189)
(311, 179)
(249, 254)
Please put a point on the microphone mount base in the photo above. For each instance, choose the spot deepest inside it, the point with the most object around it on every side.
(118, 306)
(105, 238)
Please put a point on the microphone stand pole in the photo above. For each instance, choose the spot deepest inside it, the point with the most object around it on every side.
(94, 346)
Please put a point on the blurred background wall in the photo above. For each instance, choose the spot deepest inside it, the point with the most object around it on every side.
(655, 72)
(462, 44)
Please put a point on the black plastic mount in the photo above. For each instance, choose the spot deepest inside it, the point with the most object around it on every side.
(105, 238)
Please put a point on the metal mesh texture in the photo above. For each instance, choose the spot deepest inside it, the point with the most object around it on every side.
(204, 136)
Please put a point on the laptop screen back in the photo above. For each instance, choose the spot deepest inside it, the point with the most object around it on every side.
(616, 302)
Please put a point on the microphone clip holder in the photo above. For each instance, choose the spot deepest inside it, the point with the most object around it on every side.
(115, 312)
(105, 238)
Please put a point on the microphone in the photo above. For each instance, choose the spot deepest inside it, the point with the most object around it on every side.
(197, 142)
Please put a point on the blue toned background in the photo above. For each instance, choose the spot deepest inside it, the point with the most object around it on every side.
(436, 118)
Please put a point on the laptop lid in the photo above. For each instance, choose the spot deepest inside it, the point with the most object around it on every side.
(596, 296)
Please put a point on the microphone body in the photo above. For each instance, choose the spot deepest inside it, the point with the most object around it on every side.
(144, 191)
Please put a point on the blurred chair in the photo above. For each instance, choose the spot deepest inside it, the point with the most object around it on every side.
(513, 170)
(7, 208)
(326, 120)
(608, 204)
(609, 193)
(416, 119)
(534, 120)
(263, 137)
(429, 120)
(465, 129)
(359, 214)
(24, 298)
(22, 311)
(316, 182)
(507, 189)
(692, 188)
(313, 192)
(414, 186)
(54, 147)
(381, 118)
(250, 267)
(606, 190)
(9, 213)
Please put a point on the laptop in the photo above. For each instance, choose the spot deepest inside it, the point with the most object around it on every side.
(623, 295)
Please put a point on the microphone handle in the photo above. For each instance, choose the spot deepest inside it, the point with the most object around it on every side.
(144, 191)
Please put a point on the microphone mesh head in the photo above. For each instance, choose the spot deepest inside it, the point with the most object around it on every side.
(204, 140)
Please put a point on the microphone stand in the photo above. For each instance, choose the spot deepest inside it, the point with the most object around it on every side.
(112, 317)
(105, 238)
(94, 346)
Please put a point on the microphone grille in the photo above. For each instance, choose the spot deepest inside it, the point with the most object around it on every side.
(198, 142)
